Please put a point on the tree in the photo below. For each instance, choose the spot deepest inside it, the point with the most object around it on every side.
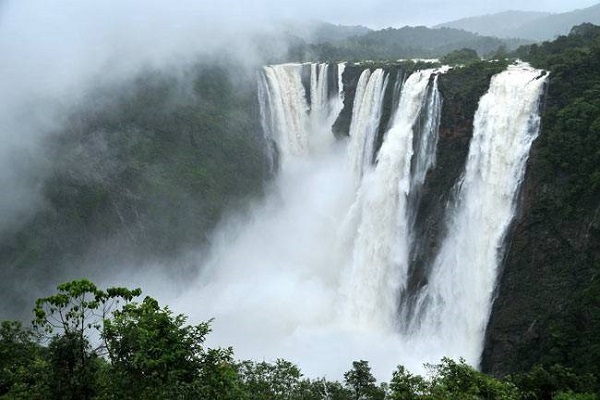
(270, 381)
(153, 353)
(548, 382)
(22, 363)
(458, 380)
(361, 382)
(461, 56)
(67, 320)
(218, 378)
(78, 308)
(406, 386)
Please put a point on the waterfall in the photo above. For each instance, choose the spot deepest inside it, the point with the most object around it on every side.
(318, 272)
(426, 145)
(455, 304)
(379, 266)
(366, 113)
(297, 125)
(289, 109)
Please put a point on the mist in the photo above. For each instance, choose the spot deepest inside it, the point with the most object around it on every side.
(271, 280)
(54, 52)
(63, 63)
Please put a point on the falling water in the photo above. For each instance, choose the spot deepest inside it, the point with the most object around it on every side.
(454, 306)
(366, 113)
(379, 265)
(298, 128)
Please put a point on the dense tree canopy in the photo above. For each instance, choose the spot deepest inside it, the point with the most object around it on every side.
(147, 352)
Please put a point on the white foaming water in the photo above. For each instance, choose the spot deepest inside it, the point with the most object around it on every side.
(297, 128)
(291, 280)
(320, 106)
(289, 109)
(379, 265)
(455, 305)
(427, 145)
(366, 113)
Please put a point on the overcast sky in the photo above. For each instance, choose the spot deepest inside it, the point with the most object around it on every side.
(396, 13)
(373, 13)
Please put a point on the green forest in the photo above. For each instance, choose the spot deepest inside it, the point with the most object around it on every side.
(92, 343)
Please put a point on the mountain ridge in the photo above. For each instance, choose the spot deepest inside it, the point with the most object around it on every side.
(526, 24)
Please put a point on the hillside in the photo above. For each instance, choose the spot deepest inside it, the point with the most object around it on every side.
(139, 175)
(406, 42)
(315, 32)
(558, 24)
(527, 25)
(502, 25)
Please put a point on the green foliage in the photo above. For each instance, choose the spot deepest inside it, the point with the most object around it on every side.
(575, 396)
(270, 381)
(78, 307)
(554, 382)
(153, 352)
(406, 386)
(22, 363)
(460, 56)
(457, 380)
(73, 367)
(394, 44)
(218, 376)
(361, 383)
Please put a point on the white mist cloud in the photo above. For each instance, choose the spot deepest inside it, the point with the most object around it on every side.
(54, 51)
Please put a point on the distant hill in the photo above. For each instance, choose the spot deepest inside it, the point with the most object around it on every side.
(322, 32)
(527, 25)
(501, 24)
(406, 42)
(558, 24)
(437, 41)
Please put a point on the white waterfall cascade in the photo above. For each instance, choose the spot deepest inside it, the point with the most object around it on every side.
(427, 145)
(298, 128)
(454, 307)
(292, 280)
(289, 109)
(379, 266)
(366, 114)
(321, 114)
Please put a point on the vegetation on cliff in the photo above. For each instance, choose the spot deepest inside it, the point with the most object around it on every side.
(145, 168)
(403, 43)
